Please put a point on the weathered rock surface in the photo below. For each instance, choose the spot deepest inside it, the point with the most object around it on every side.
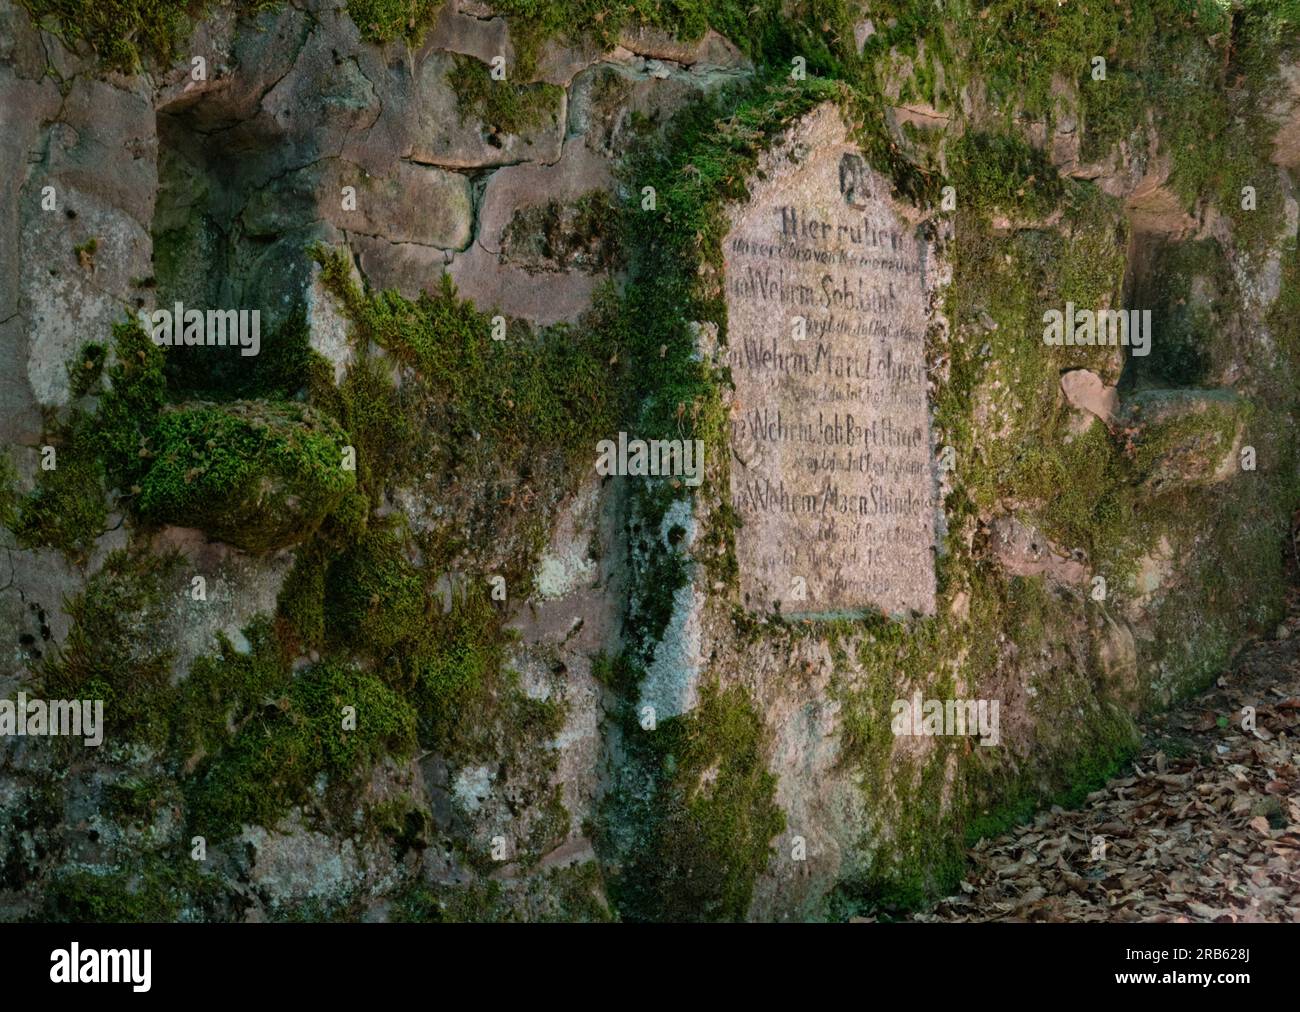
(832, 470)
(210, 191)
(1086, 391)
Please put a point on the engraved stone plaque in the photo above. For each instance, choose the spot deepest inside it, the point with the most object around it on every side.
(832, 468)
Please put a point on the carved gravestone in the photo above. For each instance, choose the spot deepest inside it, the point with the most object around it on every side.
(832, 468)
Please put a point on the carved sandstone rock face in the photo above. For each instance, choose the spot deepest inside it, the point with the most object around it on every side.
(831, 465)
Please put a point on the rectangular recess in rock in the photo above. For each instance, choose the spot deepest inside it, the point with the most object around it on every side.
(832, 468)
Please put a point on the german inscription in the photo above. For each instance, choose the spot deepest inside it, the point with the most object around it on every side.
(832, 468)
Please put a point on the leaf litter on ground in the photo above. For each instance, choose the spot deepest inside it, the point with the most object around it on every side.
(1206, 826)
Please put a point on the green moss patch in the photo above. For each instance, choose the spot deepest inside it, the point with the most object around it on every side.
(68, 509)
(374, 595)
(122, 33)
(760, 28)
(153, 891)
(387, 20)
(111, 652)
(557, 388)
(504, 106)
(705, 815)
(286, 743)
(257, 475)
(1177, 437)
(95, 449)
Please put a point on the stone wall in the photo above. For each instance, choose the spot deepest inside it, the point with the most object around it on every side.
(629, 696)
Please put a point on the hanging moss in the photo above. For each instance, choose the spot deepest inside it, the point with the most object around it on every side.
(95, 450)
(68, 509)
(9, 497)
(111, 652)
(380, 419)
(86, 369)
(130, 405)
(226, 690)
(301, 604)
(505, 106)
(452, 663)
(757, 28)
(549, 388)
(374, 596)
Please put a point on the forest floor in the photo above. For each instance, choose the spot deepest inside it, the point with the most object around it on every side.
(1205, 826)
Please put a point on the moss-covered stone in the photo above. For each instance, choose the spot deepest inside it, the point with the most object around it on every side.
(258, 475)
(1179, 437)
(274, 759)
(448, 412)
(387, 20)
(704, 814)
(112, 651)
(85, 371)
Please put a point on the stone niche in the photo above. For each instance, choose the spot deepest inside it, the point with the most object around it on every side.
(833, 473)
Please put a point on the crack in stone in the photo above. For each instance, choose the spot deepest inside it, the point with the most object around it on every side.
(371, 125)
(406, 242)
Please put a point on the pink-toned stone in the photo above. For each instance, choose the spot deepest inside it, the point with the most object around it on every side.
(831, 459)
(1084, 390)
